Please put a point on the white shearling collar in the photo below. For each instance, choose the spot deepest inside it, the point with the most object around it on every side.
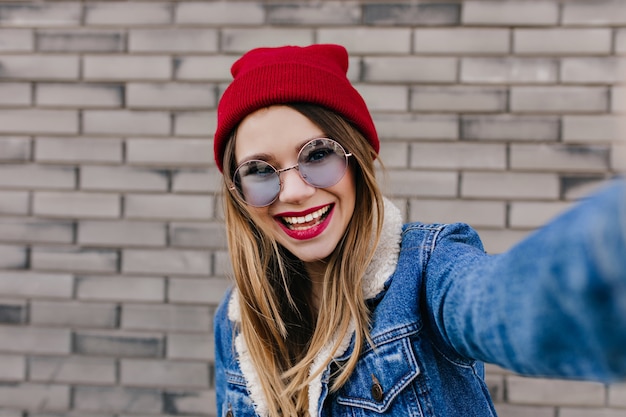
(380, 269)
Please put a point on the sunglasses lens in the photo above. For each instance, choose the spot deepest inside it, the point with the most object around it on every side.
(257, 183)
(322, 162)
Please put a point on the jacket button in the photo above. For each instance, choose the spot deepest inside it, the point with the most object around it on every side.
(377, 389)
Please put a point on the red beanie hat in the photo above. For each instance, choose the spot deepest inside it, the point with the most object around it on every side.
(312, 74)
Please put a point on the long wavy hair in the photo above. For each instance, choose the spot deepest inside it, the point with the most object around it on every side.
(283, 333)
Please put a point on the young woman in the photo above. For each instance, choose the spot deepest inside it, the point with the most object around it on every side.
(338, 309)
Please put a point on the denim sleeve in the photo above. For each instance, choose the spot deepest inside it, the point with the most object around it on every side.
(553, 305)
(222, 336)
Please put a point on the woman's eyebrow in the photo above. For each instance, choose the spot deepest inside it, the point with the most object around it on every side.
(257, 156)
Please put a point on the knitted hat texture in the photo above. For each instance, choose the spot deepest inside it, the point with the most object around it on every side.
(288, 74)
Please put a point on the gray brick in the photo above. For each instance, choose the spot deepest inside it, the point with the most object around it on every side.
(20, 339)
(510, 127)
(123, 178)
(590, 412)
(394, 154)
(79, 95)
(126, 67)
(14, 202)
(179, 40)
(244, 39)
(466, 99)
(128, 13)
(197, 180)
(201, 291)
(118, 343)
(117, 288)
(596, 128)
(195, 68)
(72, 369)
(458, 155)
(128, 122)
(170, 96)
(559, 157)
(78, 150)
(562, 41)
(548, 391)
(15, 94)
(81, 40)
(36, 176)
(29, 284)
(410, 69)
(501, 240)
(327, 13)
(512, 410)
(223, 267)
(190, 401)
(618, 99)
(362, 40)
(620, 41)
(189, 346)
(198, 235)
(48, 121)
(220, 13)
(16, 40)
(410, 126)
(509, 185)
(568, 99)
(166, 318)
(11, 413)
(618, 157)
(166, 262)
(420, 14)
(73, 314)
(461, 41)
(617, 395)
(168, 206)
(13, 311)
(575, 187)
(121, 233)
(385, 98)
(117, 399)
(510, 70)
(510, 12)
(39, 67)
(12, 367)
(601, 70)
(144, 372)
(36, 230)
(13, 257)
(74, 259)
(530, 215)
(40, 14)
(77, 205)
(15, 148)
(194, 123)
(35, 396)
(427, 184)
(596, 13)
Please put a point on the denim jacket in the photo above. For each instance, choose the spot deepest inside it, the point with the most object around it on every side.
(552, 306)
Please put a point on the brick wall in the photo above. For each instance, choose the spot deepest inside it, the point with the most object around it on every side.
(112, 254)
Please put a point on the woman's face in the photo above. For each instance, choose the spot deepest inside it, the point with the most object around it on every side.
(307, 221)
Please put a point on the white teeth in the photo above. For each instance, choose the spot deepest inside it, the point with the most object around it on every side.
(308, 218)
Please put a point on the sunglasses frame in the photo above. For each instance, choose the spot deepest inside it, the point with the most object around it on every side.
(239, 195)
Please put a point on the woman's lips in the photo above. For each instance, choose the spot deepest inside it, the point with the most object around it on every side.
(307, 224)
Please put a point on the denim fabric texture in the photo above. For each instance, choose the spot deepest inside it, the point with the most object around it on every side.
(553, 305)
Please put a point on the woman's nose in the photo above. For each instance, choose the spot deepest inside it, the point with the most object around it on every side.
(293, 189)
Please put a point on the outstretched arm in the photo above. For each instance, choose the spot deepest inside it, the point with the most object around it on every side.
(554, 305)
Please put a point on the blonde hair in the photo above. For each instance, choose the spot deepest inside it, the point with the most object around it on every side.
(282, 333)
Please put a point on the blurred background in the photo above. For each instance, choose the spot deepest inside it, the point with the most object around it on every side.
(112, 249)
